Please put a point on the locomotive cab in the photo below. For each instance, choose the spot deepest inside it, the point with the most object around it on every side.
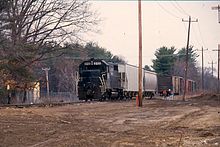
(92, 81)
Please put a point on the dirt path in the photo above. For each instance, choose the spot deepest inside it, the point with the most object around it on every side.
(114, 124)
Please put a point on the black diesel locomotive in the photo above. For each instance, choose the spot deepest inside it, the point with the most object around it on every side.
(98, 80)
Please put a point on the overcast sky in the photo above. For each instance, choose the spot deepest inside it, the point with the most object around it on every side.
(162, 26)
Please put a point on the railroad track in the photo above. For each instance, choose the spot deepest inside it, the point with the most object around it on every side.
(52, 104)
(42, 104)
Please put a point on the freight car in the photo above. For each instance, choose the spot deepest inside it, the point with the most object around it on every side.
(130, 81)
(99, 79)
(175, 83)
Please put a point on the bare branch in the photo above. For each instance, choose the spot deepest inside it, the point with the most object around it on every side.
(36, 22)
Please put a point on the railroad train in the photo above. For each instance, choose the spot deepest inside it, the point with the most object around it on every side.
(102, 80)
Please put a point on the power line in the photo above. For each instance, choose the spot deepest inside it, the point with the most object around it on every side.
(199, 42)
(201, 35)
(184, 12)
(178, 9)
(168, 11)
(196, 37)
(202, 39)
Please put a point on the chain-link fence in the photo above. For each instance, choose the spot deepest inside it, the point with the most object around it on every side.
(36, 97)
(56, 97)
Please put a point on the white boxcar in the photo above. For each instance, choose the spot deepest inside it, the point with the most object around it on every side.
(129, 76)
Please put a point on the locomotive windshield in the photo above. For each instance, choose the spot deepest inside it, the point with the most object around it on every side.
(90, 76)
(90, 73)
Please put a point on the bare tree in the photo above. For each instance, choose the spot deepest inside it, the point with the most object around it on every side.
(67, 75)
(31, 22)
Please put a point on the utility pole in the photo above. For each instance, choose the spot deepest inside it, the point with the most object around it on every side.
(202, 50)
(187, 55)
(47, 80)
(212, 88)
(218, 63)
(212, 67)
(217, 8)
(140, 56)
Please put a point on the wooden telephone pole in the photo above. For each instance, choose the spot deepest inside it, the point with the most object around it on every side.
(212, 67)
(47, 80)
(139, 99)
(217, 8)
(202, 50)
(218, 50)
(187, 55)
